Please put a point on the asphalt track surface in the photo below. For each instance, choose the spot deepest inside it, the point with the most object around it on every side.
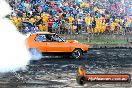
(61, 73)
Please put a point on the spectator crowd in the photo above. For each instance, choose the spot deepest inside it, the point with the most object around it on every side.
(72, 16)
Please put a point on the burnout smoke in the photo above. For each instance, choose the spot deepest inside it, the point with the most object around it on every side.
(13, 52)
(35, 54)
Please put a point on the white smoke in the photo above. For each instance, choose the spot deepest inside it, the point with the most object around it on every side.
(35, 54)
(13, 52)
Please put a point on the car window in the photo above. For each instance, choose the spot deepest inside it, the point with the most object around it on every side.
(49, 38)
(40, 38)
(57, 38)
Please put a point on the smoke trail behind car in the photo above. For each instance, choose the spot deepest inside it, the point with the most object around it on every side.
(13, 52)
(35, 54)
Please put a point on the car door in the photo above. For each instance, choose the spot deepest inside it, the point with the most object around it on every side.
(40, 40)
(57, 45)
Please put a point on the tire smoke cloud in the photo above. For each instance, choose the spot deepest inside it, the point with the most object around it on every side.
(13, 52)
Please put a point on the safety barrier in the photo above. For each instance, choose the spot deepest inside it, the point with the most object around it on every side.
(69, 29)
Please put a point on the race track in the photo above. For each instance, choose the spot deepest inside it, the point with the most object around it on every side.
(62, 72)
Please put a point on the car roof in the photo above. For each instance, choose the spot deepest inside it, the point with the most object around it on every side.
(43, 33)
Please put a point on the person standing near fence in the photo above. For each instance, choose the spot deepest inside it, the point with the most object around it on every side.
(41, 27)
(79, 30)
(55, 26)
(66, 27)
(87, 20)
(50, 23)
(93, 24)
(113, 25)
(70, 24)
(62, 27)
(75, 26)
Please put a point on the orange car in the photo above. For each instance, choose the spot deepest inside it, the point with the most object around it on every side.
(52, 44)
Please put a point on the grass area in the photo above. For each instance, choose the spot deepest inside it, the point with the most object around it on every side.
(98, 40)
(104, 41)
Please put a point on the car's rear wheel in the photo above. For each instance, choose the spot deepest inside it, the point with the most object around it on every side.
(76, 53)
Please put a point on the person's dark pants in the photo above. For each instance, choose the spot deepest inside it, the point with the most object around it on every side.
(49, 29)
(78, 28)
(62, 30)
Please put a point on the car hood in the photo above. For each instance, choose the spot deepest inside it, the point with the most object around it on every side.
(75, 44)
(72, 41)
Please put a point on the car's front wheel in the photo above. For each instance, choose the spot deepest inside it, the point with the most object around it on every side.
(76, 53)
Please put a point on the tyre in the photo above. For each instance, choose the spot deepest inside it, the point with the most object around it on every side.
(77, 53)
(81, 80)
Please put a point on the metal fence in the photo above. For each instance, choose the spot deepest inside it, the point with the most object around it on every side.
(90, 38)
(62, 29)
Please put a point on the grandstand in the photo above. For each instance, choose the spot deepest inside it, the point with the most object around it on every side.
(73, 16)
